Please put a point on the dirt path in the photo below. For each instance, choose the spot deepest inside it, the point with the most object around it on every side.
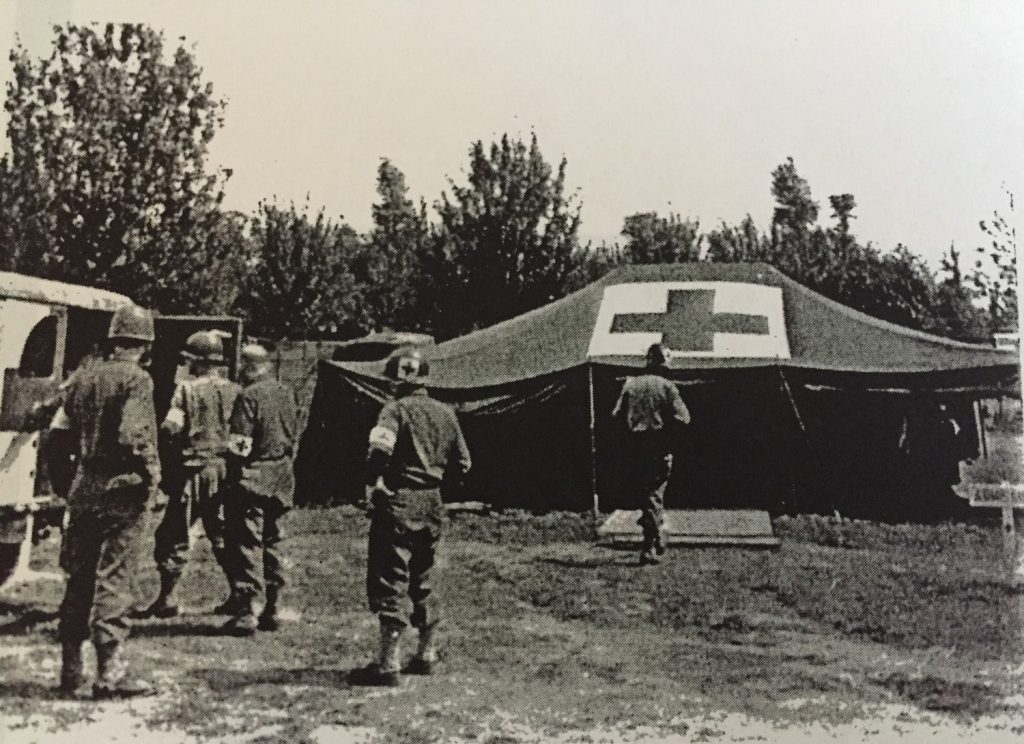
(557, 640)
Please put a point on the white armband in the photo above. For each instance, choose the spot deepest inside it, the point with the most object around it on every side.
(382, 439)
(60, 420)
(176, 418)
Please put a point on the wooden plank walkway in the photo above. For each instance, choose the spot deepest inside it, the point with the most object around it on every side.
(729, 527)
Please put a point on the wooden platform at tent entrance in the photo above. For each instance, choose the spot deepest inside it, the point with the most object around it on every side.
(750, 528)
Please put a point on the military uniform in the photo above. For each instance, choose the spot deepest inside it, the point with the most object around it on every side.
(198, 416)
(649, 404)
(414, 444)
(110, 410)
(415, 447)
(262, 489)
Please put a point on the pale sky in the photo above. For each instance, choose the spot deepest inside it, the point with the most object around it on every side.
(916, 108)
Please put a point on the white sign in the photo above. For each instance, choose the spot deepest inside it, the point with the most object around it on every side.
(693, 319)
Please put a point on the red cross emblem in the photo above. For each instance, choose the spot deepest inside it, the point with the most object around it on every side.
(701, 318)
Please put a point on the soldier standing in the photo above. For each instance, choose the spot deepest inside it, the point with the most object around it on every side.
(109, 412)
(197, 427)
(263, 429)
(650, 406)
(415, 447)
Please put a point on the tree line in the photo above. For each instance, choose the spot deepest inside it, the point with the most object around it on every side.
(107, 183)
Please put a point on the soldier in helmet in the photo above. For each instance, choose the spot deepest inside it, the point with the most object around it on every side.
(109, 412)
(263, 430)
(650, 407)
(196, 426)
(416, 446)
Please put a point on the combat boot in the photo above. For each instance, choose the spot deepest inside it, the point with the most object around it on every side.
(230, 606)
(244, 622)
(659, 545)
(162, 606)
(113, 682)
(72, 674)
(386, 671)
(269, 619)
(648, 558)
(426, 654)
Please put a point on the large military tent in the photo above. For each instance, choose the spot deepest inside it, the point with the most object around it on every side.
(798, 402)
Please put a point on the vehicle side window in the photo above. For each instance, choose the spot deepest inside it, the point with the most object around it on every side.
(34, 380)
(39, 353)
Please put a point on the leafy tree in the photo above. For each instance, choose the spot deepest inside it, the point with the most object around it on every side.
(392, 257)
(300, 283)
(995, 269)
(744, 242)
(593, 262)
(654, 239)
(901, 289)
(955, 311)
(795, 210)
(507, 241)
(842, 211)
(228, 248)
(106, 182)
(895, 286)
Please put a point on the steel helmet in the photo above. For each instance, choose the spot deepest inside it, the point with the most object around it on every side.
(132, 322)
(204, 346)
(255, 354)
(658, 355)
(406, 365)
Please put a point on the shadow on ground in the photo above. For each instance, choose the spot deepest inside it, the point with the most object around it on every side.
(31, 690)
(232, 680)
(23, 618)
(165, 629)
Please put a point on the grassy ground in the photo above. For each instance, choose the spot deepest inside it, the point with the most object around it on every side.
(1005, 461)
(550, 637)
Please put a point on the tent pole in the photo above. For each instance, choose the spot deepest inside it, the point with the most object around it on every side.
(979, 422)
(593, 443)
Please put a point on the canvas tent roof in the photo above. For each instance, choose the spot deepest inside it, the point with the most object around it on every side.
(713, 316)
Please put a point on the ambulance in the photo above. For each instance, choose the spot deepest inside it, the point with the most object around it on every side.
(47, 330)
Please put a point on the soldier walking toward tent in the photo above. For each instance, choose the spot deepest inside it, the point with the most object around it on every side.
(650, 407)
(263, 429)
(416, 447)
(109, 411)
(197, 427)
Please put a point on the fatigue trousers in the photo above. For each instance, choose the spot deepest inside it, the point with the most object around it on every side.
(404, 532)
(254, 537)
(650, 470)
(200, 498)
(100, 554)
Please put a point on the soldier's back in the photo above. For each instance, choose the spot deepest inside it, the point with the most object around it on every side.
(96, 405)
(647, 397)
(208, 403)
(271, 405)
(429, 430)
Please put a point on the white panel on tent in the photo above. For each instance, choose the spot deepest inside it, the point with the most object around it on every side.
(693, 319)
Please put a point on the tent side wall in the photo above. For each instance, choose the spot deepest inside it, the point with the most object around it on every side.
(529, 441)
(803, 441)
(782, 439)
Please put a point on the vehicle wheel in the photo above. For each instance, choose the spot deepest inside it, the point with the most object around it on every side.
(14, 555)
